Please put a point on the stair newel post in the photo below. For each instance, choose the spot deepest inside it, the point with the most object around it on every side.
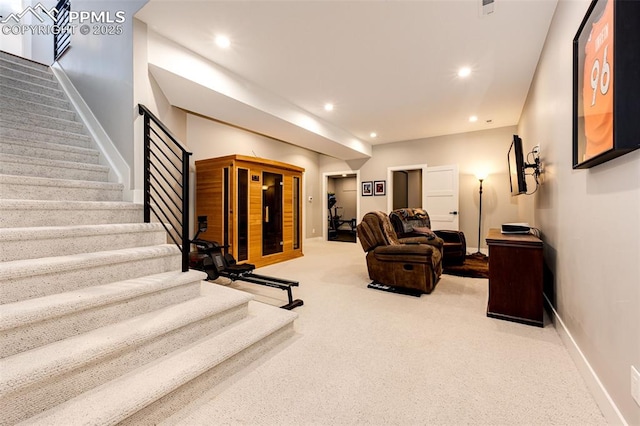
(186, 244)
(147, 166)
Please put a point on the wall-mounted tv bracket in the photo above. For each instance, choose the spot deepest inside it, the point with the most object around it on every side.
(536, 165)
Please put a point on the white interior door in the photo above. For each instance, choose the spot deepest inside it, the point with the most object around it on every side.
(441, 193)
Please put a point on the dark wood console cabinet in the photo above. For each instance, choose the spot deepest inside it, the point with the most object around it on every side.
(515, 277)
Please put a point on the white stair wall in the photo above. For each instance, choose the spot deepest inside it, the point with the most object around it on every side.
(94, 308)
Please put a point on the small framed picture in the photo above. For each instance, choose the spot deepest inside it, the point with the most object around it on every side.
(367, 188)
(379, 187)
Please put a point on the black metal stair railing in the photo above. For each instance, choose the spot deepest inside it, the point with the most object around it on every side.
(62, 37)
(166, 181)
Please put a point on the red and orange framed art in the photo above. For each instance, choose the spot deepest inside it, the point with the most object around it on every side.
(606, 83)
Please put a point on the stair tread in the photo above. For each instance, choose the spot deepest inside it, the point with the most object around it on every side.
(10, 115)
(55, 232)
(72, 183)
(48, 265)
(10, 60)
(68, 205)
(49, 146)
(25, 127)
(57, 358)
(31, 105)
(12, 158)
(19, 314)
(38, 94)
(116, 400)
(43, 80)
(32, 88)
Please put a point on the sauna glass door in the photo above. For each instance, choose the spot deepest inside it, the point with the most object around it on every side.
(271, 213)
(242, 210)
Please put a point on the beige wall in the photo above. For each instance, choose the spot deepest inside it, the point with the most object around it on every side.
(590, 222)
(482, 150)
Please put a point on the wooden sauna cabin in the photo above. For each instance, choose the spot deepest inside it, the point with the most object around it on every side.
(253, 205)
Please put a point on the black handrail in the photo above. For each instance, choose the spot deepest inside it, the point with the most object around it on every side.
(62, 35)
(165, 194)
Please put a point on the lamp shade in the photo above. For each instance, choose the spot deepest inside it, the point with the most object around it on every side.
(482, 175)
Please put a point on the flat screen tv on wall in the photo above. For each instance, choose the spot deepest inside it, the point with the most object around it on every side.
(517, 167)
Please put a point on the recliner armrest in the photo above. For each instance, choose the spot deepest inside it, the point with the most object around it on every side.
(414, 240)
(435, 242)
(451, 236)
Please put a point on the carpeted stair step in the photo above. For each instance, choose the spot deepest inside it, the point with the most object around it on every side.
(38, 134)
(8, 70)
(31, 87)
(26, 279)
(42, 99)
(37, 322)
(36, 242)
(23, 62)
(36, 188)
(7, 102)
(42, 121)
(25, 66)
(19, 165)
(148, 394)
(43, 377)
(25, 213)
(52, 151)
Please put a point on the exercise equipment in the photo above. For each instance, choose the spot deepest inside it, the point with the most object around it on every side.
(211, 258)
(335, 221)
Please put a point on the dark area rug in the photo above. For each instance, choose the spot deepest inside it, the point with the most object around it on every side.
(474, 266)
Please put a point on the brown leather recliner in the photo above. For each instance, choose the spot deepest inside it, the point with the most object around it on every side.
(411, 222)
(412, 263)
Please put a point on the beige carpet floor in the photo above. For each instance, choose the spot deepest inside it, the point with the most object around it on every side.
(363, 356)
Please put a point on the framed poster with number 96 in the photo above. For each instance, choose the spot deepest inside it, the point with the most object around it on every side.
(605, 76)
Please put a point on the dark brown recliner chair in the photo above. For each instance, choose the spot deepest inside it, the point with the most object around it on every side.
(411, 263)
(412, 222)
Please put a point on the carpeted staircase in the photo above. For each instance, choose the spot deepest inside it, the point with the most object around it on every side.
(97, 323)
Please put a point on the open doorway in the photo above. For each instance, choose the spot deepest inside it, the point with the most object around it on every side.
(406, 186)
(342, 206)
(439, 192)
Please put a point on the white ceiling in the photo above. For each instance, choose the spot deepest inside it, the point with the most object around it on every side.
(389, 67)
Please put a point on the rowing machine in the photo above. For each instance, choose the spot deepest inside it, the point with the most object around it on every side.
(209, 257)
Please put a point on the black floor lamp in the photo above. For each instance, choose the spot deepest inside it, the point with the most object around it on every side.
(481, 176)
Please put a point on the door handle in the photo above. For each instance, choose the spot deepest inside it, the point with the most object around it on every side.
(453, 213)
(266, 214)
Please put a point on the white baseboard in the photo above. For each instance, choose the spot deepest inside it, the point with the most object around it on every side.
(120, 171)
(609, 409)
(314, 239)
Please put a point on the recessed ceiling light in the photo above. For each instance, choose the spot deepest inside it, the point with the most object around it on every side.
(473, 119)
(223, 41)
(328, 107)
(373, 134)
(464, 72)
